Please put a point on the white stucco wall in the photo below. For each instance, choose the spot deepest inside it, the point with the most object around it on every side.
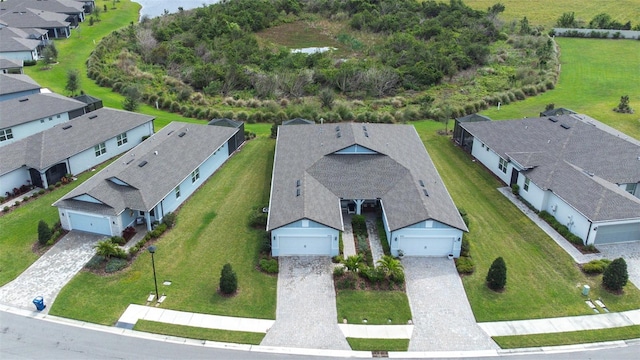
(21, 131)
(534, 195)
(491, 160)
(565, 214)
(20, 55)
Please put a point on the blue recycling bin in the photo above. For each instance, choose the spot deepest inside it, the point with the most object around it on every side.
(39, 303)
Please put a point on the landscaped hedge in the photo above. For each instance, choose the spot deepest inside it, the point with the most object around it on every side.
(596, 266)
(561, 229)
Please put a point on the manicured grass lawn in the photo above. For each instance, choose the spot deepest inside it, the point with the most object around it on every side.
(567, 338)
(542, 279)
(547, 12)
(378, 344)
(595, 74)
(212, 229)
(239, 337)
(19, 229)
(375, 306)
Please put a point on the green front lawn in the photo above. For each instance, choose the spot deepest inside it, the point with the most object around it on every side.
(377, 307)
(239, 337)
(212, 229)
(568, 338)
(358, 344)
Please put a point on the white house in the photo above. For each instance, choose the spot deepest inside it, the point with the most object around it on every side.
(149, 181)
(24, 116)
(71, 147)
(323, 171)
(581, 171)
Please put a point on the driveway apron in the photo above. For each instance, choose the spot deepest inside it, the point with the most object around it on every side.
(51, 271)
(306, 315)
(442, 316)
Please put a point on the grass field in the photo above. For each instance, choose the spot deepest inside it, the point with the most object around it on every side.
(566, 338)
(595, 73)
(212, 229)
(377, 307)
(239, 337)
(547, 12)
(378, 344)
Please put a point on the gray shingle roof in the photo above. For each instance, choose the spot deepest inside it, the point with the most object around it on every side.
(13, 83)
(9, 64)
(225, 122)
(16, 44)
(306, 153)
(560, 154)
(32, 18)
(177, 156)
(298, 121)
(36, 106)
(51, 146)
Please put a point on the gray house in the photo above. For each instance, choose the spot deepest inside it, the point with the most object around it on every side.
(17, 85)
(321, 172)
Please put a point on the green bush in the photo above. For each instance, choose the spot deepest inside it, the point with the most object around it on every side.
(515, 189)
(465, 265)
(159, 230)
(5, 209)
(265, 243)
(44, 232)
(270, 266)
(359, 225)
(338, 271)
(519, 94)
(615, 276)
(169, 220)
(114, 265)
(347, 282)
(228, 280)
(41, 191)
(372, 274)
(118, 240)
(258, 219)
(133, 250)
(497, 275)
(465, 247)
(95, 262)
(596, 266)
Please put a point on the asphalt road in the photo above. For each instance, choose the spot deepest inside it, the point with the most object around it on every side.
(28, 338)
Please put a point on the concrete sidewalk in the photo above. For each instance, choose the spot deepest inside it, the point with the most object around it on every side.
(562, 324)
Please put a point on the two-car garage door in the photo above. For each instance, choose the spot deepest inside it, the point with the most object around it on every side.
(89, 223)
(303, 245)
(617, 233)
(426, 246)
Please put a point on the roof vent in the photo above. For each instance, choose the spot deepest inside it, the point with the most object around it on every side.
(338, 134)
(338, 128)
(93, 116)
(421, 183)
(155, 152)
(297, 192)
(298, 183)
(129, 162)
(565, 126)
(182, 134)
(66, 127)
(143, 163)
(23, 100)
(552, 119)
(364, 127)
(425, 192)
(170, 132)
(366, 134)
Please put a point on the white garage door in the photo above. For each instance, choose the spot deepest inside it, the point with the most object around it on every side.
(89, 223)
(617, 233)
(304, 245)
(426, 246)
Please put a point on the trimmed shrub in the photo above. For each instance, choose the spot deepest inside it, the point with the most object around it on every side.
(465, 248)
(115, 265)
(5, 209)
(372, 274)
(95, 262)
(515, 189)
(596, 266)
(44, 232)
(119, 240)
(519, 94)
(615, 276)
(270, 266)
(497, 275)
(465, 265)
(338, 271)
(169, 220)
(359, 225)
(228, 280)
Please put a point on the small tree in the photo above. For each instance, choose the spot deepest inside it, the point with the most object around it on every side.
(44, 232)
(624, 107)
(96, 13)
(352, 263)
(132, 98)
(73, 81)
(48, 55)
(391, 268)
(228, 280)
(615, 276)
(326, 97)
(106, 248)
(549, 106)
(497, 276)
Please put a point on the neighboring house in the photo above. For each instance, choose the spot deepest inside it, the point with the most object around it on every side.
(16, 47)
(149, 181)
(16, 85)
(88, 5)
(28, 18)
(321, 172)
(238, 138)
(459, 133)
(92, 103)
(26, 115)
(298, 121)
(581, 171)
(9, 66)
(71, 10)
(71, 148)
(556, 112)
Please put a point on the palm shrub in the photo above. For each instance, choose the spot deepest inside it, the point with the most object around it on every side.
(106, 248)
(44, 232)
(228, 280)
(352, 263)
(497, 276)
(391, 268)
(615, 276)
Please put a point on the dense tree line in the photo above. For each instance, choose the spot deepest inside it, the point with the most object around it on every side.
(214, 48)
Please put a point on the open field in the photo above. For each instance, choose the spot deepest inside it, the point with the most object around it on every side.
(547, 12)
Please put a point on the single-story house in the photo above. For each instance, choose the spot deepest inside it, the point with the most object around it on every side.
(459, 133)
(149, 181)
(298, 121)
(9, 66)
(92, 103)
(71, 147)
(26, 115)
(55, 24)
(15, 46)
(322, 171)
(238, 138)
(73, 11)
(17, 85)
(581, 171)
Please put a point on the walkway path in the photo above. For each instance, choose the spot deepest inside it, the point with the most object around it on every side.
(348, 241)
(442, 315)
(51, 272)
(374, 241)
(306, 315)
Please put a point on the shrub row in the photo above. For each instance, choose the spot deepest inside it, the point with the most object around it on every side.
(560, 228)
(596, 266)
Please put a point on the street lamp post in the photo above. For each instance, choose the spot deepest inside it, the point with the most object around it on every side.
(152, 250)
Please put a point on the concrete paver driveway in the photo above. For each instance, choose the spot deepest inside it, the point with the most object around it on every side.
(51, 271)
(306, 315)
(630, 252)
(442, 316)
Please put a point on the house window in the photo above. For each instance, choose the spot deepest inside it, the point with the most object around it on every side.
(6, 134)
(50, 118)
(177, 192)
(526, 184)
(503, 165)
(100, 149)
(195, 175)
(122, 139)
(41, 121)
(58, 116)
